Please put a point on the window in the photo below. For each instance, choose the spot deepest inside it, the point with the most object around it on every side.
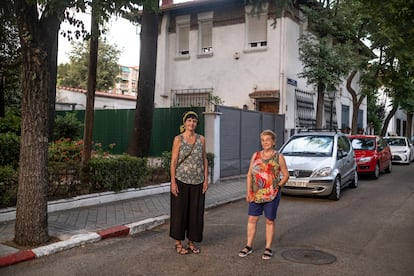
(191, 97)
(183, 33)
(205, 33)
(256, 28)
(305, 110)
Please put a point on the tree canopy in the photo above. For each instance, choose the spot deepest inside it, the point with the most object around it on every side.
(75, 73)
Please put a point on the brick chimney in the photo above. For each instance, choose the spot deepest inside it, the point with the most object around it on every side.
(167, 3)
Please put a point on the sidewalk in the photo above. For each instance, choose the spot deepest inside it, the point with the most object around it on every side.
(89, 219)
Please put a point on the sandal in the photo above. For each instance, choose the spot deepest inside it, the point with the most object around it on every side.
(268, 254)
(180, 249)
(245, 251)
(193, 248)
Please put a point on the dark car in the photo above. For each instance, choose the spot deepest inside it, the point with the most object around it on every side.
(372, 153)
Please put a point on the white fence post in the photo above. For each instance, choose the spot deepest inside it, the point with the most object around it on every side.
(212, 135)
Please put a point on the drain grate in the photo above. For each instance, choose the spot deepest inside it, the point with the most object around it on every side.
(308, 256)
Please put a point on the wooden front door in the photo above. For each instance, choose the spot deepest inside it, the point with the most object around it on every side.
(271, 107)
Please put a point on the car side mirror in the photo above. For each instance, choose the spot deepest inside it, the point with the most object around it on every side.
(342, 154)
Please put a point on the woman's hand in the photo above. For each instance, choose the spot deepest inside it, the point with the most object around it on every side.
(174, 188)
(205, 186)
(249, 197)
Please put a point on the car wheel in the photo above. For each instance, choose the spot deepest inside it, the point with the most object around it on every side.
(376, 172)
(389, 168)
(336, 189)
(354, 182)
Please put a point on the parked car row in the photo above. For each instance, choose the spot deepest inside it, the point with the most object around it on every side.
(322, 163)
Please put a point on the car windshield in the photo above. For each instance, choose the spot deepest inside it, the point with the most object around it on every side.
(363, 143)
(309, 145)
(396, 142)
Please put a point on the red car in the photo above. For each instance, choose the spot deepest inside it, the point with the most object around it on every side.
(373, 155)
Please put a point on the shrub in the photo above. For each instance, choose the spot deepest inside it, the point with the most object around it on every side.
(166, 161)
(116, 173)
(64, 179)
(65, 150)
(11, 122)
(67, 126)
(9, 149)
(8, 186)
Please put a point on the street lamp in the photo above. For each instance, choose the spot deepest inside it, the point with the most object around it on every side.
(331, 96)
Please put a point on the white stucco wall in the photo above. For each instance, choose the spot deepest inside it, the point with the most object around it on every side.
(234, 79)
(65, 98)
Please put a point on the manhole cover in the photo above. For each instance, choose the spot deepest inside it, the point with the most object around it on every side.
(308, 256)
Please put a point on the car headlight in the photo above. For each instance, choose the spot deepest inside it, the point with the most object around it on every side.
(365, 159)
(322, 172)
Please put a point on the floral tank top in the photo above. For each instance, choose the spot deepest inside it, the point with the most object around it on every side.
(265, 178)
(191, 170)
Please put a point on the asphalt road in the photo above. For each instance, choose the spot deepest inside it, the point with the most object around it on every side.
(369, 231)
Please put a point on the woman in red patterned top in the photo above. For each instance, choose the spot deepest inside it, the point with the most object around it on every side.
(265, 179)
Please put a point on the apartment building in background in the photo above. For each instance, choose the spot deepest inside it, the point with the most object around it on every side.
(126, 82)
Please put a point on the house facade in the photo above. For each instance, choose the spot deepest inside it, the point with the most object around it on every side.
(220, 52)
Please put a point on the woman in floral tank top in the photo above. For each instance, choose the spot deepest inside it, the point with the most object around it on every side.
(265, 179)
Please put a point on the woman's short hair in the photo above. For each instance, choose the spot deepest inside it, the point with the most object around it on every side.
(270, 133)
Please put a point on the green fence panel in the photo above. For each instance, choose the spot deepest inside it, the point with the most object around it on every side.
(115, 126)
(166, 125)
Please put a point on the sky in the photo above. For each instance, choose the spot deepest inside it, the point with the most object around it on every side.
(121, 32)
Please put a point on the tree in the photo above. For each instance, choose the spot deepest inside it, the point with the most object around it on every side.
(139, 144)
(75, 73)
(38, 31)
(38, 23)
(10, 59)
(389, 26)
(326, 52)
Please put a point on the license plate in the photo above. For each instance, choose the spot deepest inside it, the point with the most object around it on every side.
(297, 183)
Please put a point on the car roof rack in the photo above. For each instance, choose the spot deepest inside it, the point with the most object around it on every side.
(318, 130)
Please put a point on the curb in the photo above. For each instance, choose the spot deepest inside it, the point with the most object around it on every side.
(77, 240)
(7, 214)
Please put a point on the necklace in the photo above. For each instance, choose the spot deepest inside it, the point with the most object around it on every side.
(267, 155)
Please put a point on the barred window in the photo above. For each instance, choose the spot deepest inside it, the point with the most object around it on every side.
(191, 97)
(305, 109)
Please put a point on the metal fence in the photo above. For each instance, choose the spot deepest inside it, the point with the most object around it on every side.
(115, 126)
(240, 137)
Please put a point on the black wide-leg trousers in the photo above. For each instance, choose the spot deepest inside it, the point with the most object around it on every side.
(187, 212)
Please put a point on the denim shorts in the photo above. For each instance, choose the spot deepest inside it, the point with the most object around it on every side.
(269, 208)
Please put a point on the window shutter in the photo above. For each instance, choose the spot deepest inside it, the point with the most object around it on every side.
(183, 39)
(206, 36)
(257, 28)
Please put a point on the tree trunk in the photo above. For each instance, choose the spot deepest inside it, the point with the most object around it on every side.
(388, 119)
(2, 96)
(320, 105)
(409, 124)
(52, 86)
(139, 144)
(356, 103)
(36, 36)
(90, 98)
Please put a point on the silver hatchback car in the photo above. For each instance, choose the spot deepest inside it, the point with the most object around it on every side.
(320, 163)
